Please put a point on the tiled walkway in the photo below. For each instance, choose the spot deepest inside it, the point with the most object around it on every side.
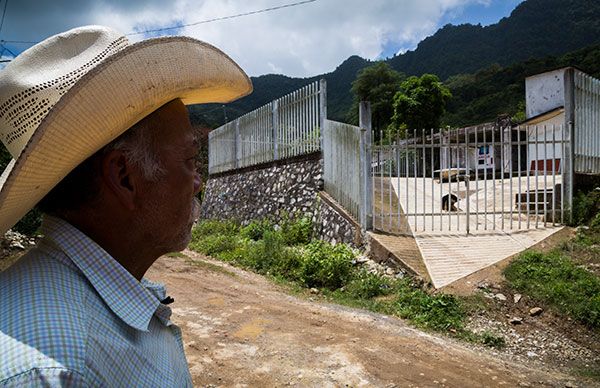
(451, 255)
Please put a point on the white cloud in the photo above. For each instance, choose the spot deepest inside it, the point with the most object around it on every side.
(299, 41)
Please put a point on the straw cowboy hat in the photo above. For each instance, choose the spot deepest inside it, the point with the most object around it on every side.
(68, 96)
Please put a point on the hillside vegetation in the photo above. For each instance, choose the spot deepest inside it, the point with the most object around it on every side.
(534, 38)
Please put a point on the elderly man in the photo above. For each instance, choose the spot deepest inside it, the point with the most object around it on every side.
(102, 142)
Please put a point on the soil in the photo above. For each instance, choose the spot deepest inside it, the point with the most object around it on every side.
(241, 329)
(546, 338)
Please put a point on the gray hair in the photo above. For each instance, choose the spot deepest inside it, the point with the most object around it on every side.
(140, 148)
(81, 186)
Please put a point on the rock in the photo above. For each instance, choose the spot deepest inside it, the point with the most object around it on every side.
(516, 320)
(532, 354)
(390, 271)
(517, 298)
(534, 312)
(500, 297)
(17, 245)
(314, 291)
(482, 285)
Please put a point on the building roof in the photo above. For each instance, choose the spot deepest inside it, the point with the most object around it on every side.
(544, 116)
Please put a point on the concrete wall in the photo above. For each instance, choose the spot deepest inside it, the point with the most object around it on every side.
(272, 190)
(544, 92)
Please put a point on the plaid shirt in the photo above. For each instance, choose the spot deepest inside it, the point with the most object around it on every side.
(71, 315)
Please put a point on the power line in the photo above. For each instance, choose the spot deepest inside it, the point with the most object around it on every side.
(3, 15)
(172, 27)
(20, 41)
(222, 18)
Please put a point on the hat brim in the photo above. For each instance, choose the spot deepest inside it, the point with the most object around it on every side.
(107, 101)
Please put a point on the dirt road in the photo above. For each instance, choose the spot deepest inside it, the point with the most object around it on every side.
(241, 330)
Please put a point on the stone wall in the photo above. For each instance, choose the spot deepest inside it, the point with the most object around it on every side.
(283, 188)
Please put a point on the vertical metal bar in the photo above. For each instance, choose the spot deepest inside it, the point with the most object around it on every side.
(415, 175)
(553, 175)
(457, 149)
(398, 168)
(390, 188)
(502, 161)
(530, 156)
(424, 176)
(406, 212)
(381, 176)
(432, 188)
(569, 186)
(440, 177)
(486, 150)
(511, 177)
(562, 175)
(449, 168)
(537, 161)
(545, 175)
(477, 178)
(520, 209)
(494, 174)
(467, 180)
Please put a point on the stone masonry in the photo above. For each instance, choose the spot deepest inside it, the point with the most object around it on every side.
(285, 188)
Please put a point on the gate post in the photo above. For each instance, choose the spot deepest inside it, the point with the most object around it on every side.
(322, 109)
(236, 145)
(366, 183)
(569, 157)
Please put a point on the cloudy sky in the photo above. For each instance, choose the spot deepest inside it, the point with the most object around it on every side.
(300, 41)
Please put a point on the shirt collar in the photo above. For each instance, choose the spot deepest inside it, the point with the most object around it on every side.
(128, 298)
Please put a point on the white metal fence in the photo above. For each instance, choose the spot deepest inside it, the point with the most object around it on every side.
(587, 124)
(341, 164)
(283, 128)
(501, 179)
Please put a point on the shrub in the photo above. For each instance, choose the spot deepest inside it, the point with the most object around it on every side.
(439, 311)
(585, 206)
(297, 231)
(326, 265)
(212, 227)
(255, 230)
(366, 285)
(213, 245)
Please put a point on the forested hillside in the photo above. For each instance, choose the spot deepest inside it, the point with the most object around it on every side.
(534, 38)
(495, 90)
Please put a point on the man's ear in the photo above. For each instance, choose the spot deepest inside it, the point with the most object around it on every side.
(121, 178)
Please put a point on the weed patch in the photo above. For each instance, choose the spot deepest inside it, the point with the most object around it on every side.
(554, 279)
(287, 253)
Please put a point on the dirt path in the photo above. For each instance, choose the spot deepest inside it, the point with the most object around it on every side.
(241, 330)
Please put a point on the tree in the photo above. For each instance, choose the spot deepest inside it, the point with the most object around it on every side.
(419, 104)
(377, 84)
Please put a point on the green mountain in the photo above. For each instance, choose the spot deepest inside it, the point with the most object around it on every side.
(535, 29)
(495, 90)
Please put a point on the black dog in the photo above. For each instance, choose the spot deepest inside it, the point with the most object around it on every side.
(449, 202)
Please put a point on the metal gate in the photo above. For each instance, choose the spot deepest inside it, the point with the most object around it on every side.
(473, 179)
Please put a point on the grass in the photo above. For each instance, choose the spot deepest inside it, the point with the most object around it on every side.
(211, 267)
(287, 253)
(179, 255)
(560, 280)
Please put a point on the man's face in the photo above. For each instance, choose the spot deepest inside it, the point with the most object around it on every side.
(167, 206)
